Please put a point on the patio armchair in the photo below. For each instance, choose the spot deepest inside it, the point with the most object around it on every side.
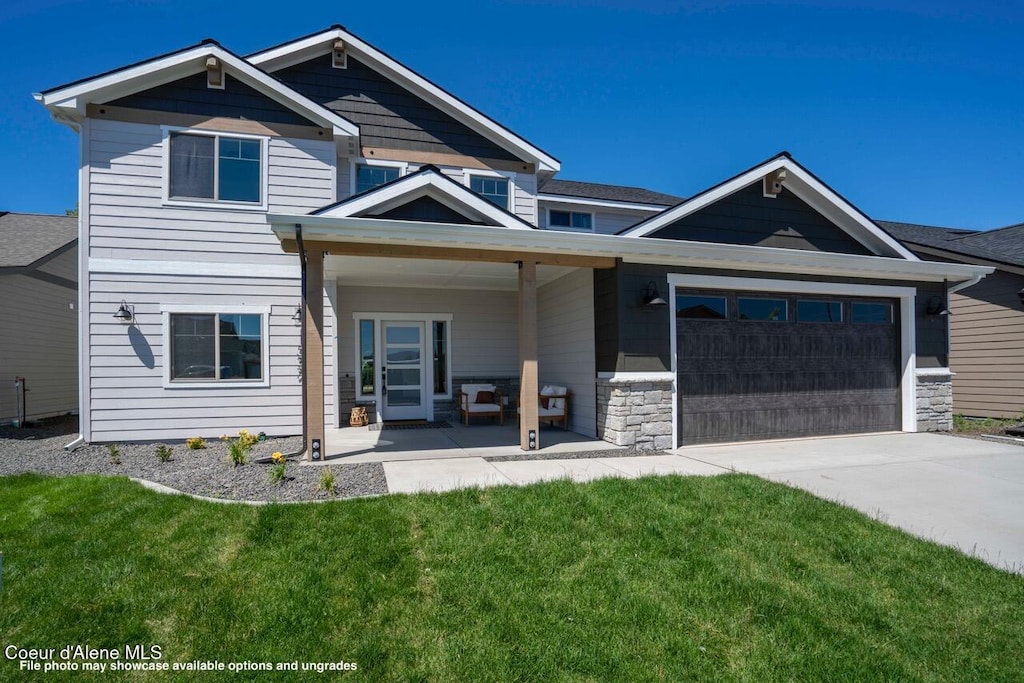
(553, 405)
(480, 400)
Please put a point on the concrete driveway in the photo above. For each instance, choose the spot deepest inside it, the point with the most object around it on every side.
(965, 493)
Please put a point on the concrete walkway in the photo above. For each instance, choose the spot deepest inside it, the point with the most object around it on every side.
(965, 493)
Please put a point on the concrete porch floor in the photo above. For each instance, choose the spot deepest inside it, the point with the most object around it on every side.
(361, 444)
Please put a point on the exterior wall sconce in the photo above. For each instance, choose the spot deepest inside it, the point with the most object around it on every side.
(1020, 295)
(935, 307)
(652, 299)
(297, 315)
(125, 313)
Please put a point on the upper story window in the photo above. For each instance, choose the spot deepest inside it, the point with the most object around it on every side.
(570, 220)
(492, 188)
(215, 168)
(369, 177)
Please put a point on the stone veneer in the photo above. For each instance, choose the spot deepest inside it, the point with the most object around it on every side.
(636, 413)
(934, 403)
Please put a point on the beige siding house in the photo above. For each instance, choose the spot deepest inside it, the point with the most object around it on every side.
(986, 350)
(38, 315)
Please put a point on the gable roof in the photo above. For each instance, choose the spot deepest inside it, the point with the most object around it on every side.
(802, 183)
(67, 103)
(302, 49)
(26, 238)
(1003, 245)
(430, 182)
(611, 193)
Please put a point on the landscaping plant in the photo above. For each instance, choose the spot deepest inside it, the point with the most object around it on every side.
(163, 453)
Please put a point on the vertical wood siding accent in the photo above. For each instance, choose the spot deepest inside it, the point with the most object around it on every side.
(126, 366)
(484, 334)
(748, 217)
(128, 220)
(606, 221)
(387, 114)
(565, 312)
(38, 341)
(987, 347)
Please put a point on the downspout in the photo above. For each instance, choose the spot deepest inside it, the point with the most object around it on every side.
(302, 344)
(964, 285)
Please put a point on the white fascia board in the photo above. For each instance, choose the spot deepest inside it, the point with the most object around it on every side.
(804, 186)
(280, 57)
(179, 65)
(443, 190)
(600, 203)
(650, 251)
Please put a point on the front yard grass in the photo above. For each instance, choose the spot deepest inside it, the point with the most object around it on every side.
(668, 578)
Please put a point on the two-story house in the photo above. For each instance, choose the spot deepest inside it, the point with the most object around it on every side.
(268, 240)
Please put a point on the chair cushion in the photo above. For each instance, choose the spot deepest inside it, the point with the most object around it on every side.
(471, 390)
(549, 412)
(484, 408)
(484, 397)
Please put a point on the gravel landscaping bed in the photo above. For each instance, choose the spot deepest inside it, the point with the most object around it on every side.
(204, 472)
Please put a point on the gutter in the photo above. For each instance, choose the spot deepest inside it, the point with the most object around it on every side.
(969, 283)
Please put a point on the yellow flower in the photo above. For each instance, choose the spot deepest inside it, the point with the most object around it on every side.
(278, 457)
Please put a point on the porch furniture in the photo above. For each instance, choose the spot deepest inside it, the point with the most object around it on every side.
(358, 417)
(480, 400)
(553, 405)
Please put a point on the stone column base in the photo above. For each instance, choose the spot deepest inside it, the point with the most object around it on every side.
(934, 403)
(636, 414)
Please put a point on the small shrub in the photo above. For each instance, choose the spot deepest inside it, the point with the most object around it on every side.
(115, 453)
(326, 482)
(238, 453)
(248, 439)
(277, 473)
(195, 443)
(163, 453)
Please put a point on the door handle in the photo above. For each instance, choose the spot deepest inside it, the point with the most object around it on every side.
(384, 379)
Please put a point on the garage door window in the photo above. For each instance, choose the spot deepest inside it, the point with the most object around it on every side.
(819, 311)
(701, 307)
(771, 310)
(871, 312)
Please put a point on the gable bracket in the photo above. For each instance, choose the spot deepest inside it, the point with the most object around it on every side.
(773, 183)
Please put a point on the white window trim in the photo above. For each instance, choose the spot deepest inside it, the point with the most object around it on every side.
(221, 204)
(378, 318)
(569, 228)
(356, 162)
(467, 174)
(908, 332)
(205, 309)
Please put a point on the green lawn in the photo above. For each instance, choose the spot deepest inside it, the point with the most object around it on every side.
(663, 578)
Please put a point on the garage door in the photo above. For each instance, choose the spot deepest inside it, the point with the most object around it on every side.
(768, 366)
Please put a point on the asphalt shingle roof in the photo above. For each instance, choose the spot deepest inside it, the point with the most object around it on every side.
(614, 193)
(27, 237)
(1004, 245)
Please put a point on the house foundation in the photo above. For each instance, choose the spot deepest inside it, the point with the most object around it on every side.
(934, 403)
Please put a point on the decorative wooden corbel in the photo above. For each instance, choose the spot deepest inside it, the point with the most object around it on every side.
(773, 183)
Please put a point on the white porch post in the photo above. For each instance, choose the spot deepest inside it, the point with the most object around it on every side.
(528, 418)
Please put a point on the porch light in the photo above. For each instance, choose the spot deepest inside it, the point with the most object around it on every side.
(125, 313)
(651, 296)
(297, 315)
(935, 307)
(1020, 295)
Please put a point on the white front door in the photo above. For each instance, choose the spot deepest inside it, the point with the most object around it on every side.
(403, 373)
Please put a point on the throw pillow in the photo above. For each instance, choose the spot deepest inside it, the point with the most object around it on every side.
(484, 397)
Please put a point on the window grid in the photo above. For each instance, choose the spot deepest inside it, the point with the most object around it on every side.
(232, 152)
(494, 190)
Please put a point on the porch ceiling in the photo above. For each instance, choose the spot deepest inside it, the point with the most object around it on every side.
(432, 274)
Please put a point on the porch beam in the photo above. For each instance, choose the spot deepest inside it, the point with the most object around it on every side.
(313, 373)
(528, 417)
(451, 254)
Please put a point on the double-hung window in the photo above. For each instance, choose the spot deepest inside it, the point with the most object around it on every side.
(215, 168)
(216, 347)
(492, 188)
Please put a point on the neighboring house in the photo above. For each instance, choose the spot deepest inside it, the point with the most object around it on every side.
(987, 320)
(38, 316)
(321, 191)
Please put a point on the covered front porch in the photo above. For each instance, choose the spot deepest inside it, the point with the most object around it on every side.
(373, 444)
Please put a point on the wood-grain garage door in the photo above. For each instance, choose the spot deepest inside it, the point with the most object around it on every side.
(768, 366)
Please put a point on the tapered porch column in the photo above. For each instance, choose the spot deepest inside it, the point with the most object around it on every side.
(313, 372)
(528, 421)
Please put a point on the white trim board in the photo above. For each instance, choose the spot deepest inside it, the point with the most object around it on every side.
(802, 184)
(908, 341)
(601, 203)
(201, 268)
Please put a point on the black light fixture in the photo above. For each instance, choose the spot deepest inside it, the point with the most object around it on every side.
(125, 313)
(651, 296)
(297, 316)
(1020, 295)
(935, 307)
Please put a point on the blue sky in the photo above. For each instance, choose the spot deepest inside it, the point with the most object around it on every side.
(913, 111)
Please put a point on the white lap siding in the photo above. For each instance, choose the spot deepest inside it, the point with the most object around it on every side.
(154, 256)
(565, 321)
